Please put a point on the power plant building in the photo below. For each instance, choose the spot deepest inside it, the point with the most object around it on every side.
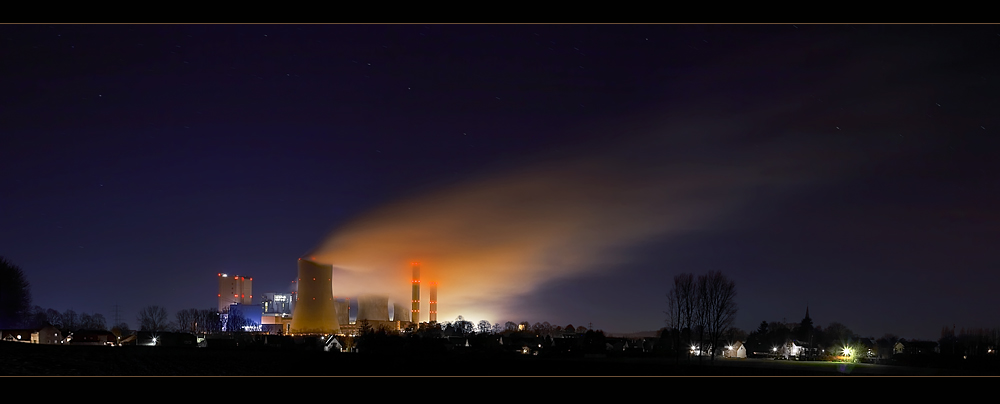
(278, 303)
(315, 312)
(314, 309)
(234, 290)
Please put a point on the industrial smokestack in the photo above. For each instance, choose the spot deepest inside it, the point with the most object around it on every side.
(416, 293)
(434, 302)
(315, 312)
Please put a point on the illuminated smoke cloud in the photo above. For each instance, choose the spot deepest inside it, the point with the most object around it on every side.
(489, 240)
(492, 239)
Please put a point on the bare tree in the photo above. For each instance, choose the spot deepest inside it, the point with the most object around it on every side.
(682, 309)
(98, 322)
(54, 317)
(210, 320)
(236, 322)
(37, 317)
(86, 320)
(153, 318)
(717, 298)
(186, 320)
(70, 320)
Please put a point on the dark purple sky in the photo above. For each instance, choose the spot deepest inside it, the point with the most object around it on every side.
(852, 168)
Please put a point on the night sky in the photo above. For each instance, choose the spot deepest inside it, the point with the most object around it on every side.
(560, 173)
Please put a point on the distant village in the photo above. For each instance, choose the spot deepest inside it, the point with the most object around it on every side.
(771, 340)
(693, 335)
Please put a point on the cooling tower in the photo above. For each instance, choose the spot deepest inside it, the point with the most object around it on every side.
(343, 312)
(400, 313)
(434, 302)
(373, 308)
(314, 311)
(415, 310)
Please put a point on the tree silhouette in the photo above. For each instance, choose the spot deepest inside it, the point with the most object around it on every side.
(717, 295)
(364, 327)
(153, 318)
(236, 322)
(682, 304)
(485, 327)
(806, 331)
(70, 321)
(15, 295)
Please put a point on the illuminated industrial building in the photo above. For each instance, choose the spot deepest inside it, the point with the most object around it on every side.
(277, 303)
(315, 312)
(434, 302)
(234, 290)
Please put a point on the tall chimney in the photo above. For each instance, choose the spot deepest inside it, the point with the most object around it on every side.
(415, 310)
(434, 302)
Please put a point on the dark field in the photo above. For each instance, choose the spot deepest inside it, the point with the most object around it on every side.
(17, 359)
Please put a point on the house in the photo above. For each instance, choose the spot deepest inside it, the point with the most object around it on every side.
(43, 335)
(94, 337)
(795, 349)
(737, 350)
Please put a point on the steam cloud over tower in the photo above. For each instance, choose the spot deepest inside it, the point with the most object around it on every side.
(434, 302)
(315, 311)
(416, 293)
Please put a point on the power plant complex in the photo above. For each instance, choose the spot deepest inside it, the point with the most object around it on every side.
(313, 309)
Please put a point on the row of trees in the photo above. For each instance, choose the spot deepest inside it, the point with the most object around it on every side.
(67, 320)
(463, 326)
(704, 307)
(16, 310)
(156, 318)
